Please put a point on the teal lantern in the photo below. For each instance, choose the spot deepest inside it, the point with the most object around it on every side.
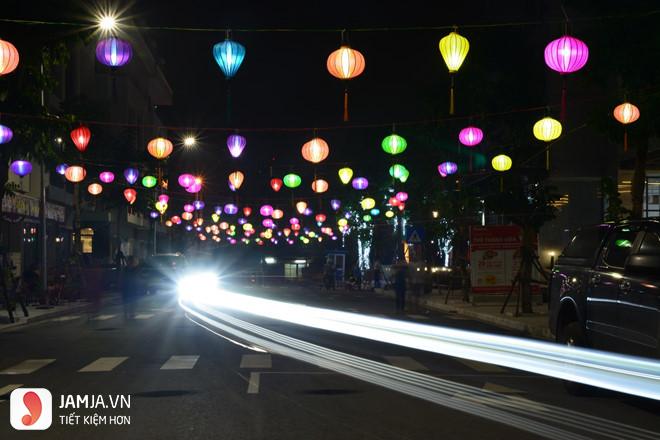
(229, 55)
(394, 144)
(149, 181)
(292, 180)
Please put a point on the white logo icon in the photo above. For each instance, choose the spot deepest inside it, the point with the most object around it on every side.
(31, 409)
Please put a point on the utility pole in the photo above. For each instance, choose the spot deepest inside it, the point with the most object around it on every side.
(42, 211)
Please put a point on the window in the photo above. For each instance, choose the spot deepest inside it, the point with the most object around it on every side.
(86, 239)
(619, 246)
(586, 243)
(651, 244)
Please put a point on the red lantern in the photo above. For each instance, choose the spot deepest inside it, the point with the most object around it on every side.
(320, 218)
(80, 137)
(276, 184)
(8, 57)
(130, 195)
(247, 211)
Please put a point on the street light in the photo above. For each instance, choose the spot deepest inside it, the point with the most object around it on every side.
(107, 23)
(189, 141)
(435, 214)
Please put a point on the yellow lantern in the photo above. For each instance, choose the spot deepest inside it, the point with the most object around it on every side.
(342, 222)
(300, 207)
(501, 163)
(389, 214)
(236, 179)
(368, 203)
(547, 129)
(168, 223)
(345, 175)
(454, 48)
(161, 207)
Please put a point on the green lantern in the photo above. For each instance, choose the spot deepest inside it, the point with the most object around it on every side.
(394, 144)
(366, 218)
(398, 170)
(404, 176)
(292, 180)
(149, 181)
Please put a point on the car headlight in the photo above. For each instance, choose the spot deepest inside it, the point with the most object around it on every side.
(198, 284)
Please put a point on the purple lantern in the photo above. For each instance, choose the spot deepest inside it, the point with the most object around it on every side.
(153, 214)
(447, 168)
(231, 186)
(5, 134)
(21, 167)
(231, 209)
(198, 204)
(185, 180)
(236, 143)
(188, 228)
(308, 211)
(294, 221)
(268, 223)
(470, 136)
(242, 221)
(217, 209)
(113, 52)
(347, 215)
(107, 176)
(566, 54)
(61, 168)
(131, 175)
(266, 210)
(360, 183)
(335, 204)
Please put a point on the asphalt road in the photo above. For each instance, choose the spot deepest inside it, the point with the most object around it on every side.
(187, 382)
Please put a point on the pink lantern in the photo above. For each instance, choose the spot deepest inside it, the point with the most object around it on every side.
(194, 188)
(266, 210)
(470, 136)
(188, 207)
(401, 196)
(566, 54)
(447, 168)
(163, 198)
(185, 180)
(107, 177)
(268, 223)
(294, 221)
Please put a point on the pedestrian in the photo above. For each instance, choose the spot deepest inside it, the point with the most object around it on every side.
(357, 276)
(378, 273)
(120, 263)
(400, 281)
(328, 274)
(130, 286)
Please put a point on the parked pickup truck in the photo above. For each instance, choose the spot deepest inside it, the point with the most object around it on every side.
(605, 289)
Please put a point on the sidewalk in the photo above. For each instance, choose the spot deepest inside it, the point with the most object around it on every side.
(534, 325)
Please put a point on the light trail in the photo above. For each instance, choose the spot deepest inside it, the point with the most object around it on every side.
(626, 374)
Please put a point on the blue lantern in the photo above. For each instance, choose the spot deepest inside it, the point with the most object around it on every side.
(229, 56)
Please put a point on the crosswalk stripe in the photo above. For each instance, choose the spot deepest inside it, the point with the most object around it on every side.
(253, 384)
(256, 361)
(103, 364)
(103, 317)
(9, 388)
(417, 316)
(405, 362)
(482, 367)
(144, 315)
(180, 363)
(28, 366)
(501, 389)
(66, 318)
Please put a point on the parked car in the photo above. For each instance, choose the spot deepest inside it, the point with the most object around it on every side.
(605, 289)
(159, 271)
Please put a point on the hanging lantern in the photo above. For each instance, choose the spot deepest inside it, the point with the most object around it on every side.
(247, 211)
(198, 205)
(231, 209)
(131, 175)
(308, 211)
(188, 207)
(277, 214)
(154, 215)
(367, 203)
(454, 48)
(236, 178)
(161, 207)
(160, 147)
(268, 223)
(149, 181)
(401, 196)
(547, 130)
(107, 176)
(215, 217)
(360, 183)
(292, 180)
(320, 218)
(176, 220)
(5, 134)
(374, 212)
(80, 137)
(187, 216)
(94, 189)
(236, 144)
(626, 113)
(345, 63)
(470, 136)
(301, 207)
(130, 195)
(194, 188)
(75, 174)
(276, 184)
(394, 144)
(113, 52)
(294, 220)
(345, 175)
(447, 168)
(566, 55)
(501, 162)
(163, 198)
(8, 57)
(315, 150)
(61, 169)
(335, 204)
(389, 214)
(185, 180)
(229, 55)
(320, 186)
(397, 171)
(405, 175)
(266, 210)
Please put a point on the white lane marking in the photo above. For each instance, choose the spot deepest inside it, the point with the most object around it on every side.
(253, 384)
(418, 317)
(103, 317)
(180, 363)
(103, 364)
(144, 315)
(66, 318)
(405, 362)
(501, 389)
(482, 367)
(27, 366)
(256, 361)
(9, 388)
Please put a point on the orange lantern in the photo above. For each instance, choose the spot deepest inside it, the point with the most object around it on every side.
(345, 63)
(8, 57)
(319, 186)
(315, 150)
(187, 216)
(75, 173)
(94, 189)
(300, 207)
(160, 147)
(130, 195)
(236, 179)
(277, 214)
(626, 113)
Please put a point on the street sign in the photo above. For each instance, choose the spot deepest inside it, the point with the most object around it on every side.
(415, 235)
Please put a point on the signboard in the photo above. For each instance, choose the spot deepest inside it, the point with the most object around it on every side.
(29, 207)
(415, 235)
(494, 257)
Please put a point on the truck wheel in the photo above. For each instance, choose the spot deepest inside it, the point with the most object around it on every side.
(573, 335)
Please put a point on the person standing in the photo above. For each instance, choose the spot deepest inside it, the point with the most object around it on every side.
(378, 274)
(130, 286)
(400, 281)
